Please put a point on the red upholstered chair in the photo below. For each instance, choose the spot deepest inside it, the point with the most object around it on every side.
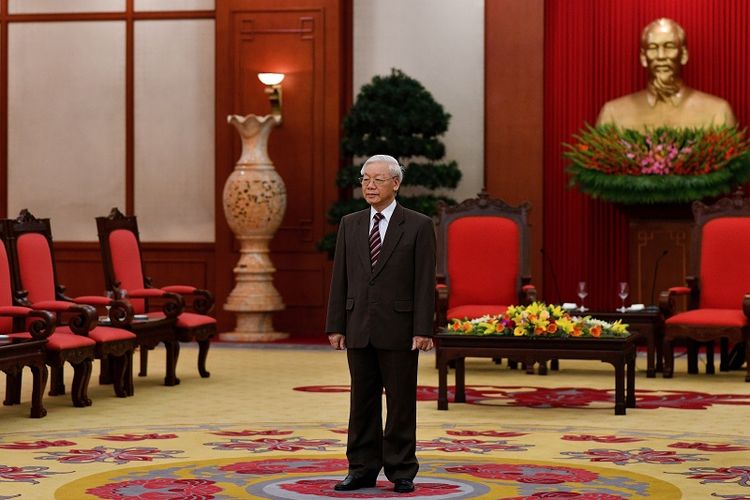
(69, 345)
(482, 263)
(123, 270)
(41, 326)
(719, 288)
(36, 286)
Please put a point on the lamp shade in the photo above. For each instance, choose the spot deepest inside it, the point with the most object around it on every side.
(271, 78)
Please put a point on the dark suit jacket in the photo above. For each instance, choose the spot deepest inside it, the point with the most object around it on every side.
(389, 304)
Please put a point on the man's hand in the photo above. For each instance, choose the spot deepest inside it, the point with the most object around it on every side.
(421, 343)
(337, 341)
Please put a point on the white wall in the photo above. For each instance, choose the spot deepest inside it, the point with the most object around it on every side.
(441, 44)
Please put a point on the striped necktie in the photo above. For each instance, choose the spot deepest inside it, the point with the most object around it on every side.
(375, 242)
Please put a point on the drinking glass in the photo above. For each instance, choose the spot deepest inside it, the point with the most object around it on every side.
(111, 296)
(623, 291)
(583, 292)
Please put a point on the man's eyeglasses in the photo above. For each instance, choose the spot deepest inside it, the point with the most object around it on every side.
(377, 180)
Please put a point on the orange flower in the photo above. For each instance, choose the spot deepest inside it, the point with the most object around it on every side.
(538, 330)
(468, 327)
(576, 332)
(596, 331)
(552, 327)
(583, 147)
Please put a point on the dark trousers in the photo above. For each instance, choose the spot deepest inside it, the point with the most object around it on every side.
(370, 447)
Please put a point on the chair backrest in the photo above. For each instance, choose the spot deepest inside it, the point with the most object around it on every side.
(29, 242)
(721, 240)
(6, 289)
(121, 254)
(482, 247)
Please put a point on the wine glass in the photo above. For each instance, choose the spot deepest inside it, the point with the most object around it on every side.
(583, 292)
(111, 296)
(623, 291)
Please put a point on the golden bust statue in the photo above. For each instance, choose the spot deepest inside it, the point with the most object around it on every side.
(666, 101)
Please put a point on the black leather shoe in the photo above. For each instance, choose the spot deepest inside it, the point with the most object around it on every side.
(352, 482)
(403, 486)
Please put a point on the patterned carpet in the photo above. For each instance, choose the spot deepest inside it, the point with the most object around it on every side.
(271, 423)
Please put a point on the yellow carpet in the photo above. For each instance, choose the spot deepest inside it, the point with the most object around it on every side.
(270, 423)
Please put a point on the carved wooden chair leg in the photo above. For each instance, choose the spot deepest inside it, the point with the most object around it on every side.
(173, 353)
(119, 367)
(12, 387)
(542, 368)
(724, 356)
(512, 364)
(497, 360)
(105, 371)
(692, 356)
(129, 373)
(37, 393)
(554, 364)
(529, 368)
(203, 346)
(710, 369)
(144, 362)
(668, 359)
(57, 381)
(81, 377)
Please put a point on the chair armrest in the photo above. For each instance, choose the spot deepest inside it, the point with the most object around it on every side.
(40, 328)
(173, 305)
(84, 317)
(120, 311)
(203, 300)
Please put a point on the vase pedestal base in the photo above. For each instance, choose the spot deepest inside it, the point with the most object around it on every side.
(252, 336)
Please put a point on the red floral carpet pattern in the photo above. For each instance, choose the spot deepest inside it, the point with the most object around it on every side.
(304, 463)
(566, 397)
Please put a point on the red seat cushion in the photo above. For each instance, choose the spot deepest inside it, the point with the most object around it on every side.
(483, 261)
(709, 318)
(724, 270)
(108, 334)
(474, 311)
(192, 320)
(61, 341)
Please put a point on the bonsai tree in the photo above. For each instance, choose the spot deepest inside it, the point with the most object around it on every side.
(397, 116)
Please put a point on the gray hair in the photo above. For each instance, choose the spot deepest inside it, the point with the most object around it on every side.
(395, 169)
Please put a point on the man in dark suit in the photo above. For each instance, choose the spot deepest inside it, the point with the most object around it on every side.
(381, 310)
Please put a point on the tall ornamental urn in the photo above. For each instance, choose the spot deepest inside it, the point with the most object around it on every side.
(254, 204)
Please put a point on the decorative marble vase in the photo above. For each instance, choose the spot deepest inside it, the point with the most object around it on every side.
(254, 204)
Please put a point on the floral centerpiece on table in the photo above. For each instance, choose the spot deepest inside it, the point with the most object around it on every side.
(538, 320)
(664, 165)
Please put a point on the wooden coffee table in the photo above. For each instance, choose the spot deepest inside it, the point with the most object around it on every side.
(619, 352)
(15, 353)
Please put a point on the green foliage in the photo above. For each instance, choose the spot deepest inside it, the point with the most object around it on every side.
(666, 165)
(395, 115)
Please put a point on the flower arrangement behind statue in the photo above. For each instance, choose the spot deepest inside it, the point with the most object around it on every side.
(538, 320)
(665, 165)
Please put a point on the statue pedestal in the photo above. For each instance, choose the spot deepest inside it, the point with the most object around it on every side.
(254, 204)
(654, 230)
